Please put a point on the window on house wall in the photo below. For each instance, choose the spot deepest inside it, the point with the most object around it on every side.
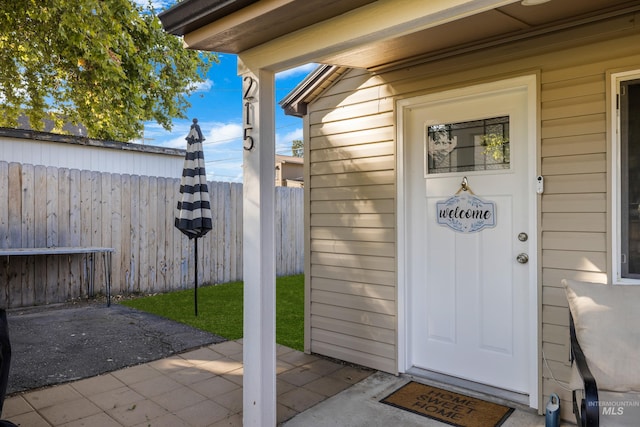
(629, 134)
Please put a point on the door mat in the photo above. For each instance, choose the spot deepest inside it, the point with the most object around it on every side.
(448, 407)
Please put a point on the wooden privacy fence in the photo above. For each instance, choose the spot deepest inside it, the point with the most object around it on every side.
(47, 206)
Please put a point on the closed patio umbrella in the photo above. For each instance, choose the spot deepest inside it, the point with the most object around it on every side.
(194, 208)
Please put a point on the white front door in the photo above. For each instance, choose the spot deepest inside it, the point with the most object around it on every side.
(468, 293)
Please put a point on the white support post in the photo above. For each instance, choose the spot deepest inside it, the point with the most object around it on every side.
(259, 354)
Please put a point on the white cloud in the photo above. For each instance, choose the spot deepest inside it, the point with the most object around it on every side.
(222, 145)
(216, 133)
(286, 138)
(158, 5)
(283, 141)
(226, 170)
(154, 134)
(204, 86)
(303, 69)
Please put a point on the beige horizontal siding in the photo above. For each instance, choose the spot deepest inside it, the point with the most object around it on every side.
(570, 107)
(553, 277)
(572, 126)
(574, 205)
(357, 330)
(584, 202)
(555, 316)
(576, 241)
(554, 333)
(555, 297)
(376, 305)
(353, 220)
(360, 234)
(367, 122)
(354, 247)
(357, 192)
(351, 217)
(354, 343)
(581, 144)
(353, 206)
(358, 355)
(578, 183)
(579, 164)
(355, 288)
(353, 315)
(574, 221)
(352, 185)
(574, 260)
(354, 178)
(371, 149)
(362, 109)
(354, 274)
(354, 165)
(572, 87)
(355, 261)
(367, 136)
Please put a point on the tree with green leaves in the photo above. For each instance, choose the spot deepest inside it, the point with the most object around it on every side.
(104, 64)
(297, 148)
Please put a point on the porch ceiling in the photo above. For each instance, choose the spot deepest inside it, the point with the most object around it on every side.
(244, 24)
(510, 21)
(277, 28)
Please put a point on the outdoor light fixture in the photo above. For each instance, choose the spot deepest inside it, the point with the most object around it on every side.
(533, 2)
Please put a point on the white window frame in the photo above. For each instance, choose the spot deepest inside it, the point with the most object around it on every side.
(616, 183)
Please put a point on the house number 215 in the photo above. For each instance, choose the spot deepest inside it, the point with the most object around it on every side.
(249, 89)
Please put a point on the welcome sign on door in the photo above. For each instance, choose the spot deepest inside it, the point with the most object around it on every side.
(466, 213)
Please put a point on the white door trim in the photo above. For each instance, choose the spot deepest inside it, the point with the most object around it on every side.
(530, 83)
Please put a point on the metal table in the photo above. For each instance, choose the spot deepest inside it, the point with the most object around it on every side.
(62, 250)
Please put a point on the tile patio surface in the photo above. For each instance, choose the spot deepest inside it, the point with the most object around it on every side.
(201, 387)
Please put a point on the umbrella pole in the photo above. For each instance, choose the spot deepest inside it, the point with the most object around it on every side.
(195, 291)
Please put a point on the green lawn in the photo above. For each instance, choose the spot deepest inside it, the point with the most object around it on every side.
(220, 309)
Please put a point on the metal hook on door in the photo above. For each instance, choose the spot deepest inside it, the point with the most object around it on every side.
(464, 186)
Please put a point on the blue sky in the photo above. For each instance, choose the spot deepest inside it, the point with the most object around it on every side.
(217, 104)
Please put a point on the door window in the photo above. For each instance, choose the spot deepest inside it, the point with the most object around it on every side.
(475, 145)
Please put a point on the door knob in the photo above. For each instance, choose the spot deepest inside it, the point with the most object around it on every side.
(522, 258)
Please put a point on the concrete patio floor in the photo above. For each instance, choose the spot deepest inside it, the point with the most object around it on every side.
(203, 387)
(359, 406)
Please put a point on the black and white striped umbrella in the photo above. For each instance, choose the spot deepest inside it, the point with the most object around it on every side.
(194, 208)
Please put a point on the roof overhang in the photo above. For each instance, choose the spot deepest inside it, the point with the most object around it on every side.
(234, 26)
(188, 16)
(280, 34)
(295, 103)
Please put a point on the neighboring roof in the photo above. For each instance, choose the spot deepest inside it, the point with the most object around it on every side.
(49, 125)
(289, 159)
(82, 140)
(295, 103)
